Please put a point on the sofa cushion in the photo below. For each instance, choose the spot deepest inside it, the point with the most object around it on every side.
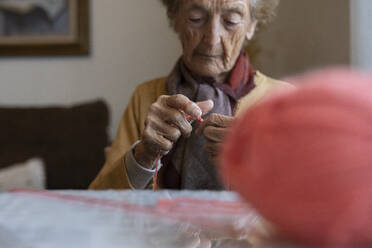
(70, 140)
(27, 175)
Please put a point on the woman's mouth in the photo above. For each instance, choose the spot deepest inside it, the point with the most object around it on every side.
(208, 56)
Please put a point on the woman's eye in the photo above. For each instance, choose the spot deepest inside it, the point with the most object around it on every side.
(195, 20)
(231, 23)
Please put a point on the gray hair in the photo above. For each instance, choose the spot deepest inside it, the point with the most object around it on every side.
(263, 11)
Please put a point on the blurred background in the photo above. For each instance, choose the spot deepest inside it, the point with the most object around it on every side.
(131, 42)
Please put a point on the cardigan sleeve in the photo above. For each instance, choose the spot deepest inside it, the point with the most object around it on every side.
(114, 174)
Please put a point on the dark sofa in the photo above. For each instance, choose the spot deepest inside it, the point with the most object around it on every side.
(70, 140)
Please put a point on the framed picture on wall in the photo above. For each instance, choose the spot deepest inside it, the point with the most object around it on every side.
(44, 27)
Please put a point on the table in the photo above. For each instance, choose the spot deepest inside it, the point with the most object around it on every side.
(135, 219)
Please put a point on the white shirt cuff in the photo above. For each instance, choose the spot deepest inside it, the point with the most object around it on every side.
(138, 175)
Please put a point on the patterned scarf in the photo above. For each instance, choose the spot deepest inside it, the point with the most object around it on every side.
(187, 166)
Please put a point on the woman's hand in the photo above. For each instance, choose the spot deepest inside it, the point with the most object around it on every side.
(167, 120)
(214, 129)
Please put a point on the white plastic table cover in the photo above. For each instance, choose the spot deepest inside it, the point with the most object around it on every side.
(119, 219)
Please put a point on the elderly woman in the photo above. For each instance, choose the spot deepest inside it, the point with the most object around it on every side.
(213, 78)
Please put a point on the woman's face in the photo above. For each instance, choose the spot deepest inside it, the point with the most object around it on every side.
(212, 33)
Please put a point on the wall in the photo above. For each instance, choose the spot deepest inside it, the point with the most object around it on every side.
(131, 43)
(361, 36)
(306, 34)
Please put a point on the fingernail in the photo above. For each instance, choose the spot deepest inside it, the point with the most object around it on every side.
(196, 113)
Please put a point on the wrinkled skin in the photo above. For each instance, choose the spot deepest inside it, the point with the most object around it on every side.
(214, 129)
(212, 33)
(168, 119)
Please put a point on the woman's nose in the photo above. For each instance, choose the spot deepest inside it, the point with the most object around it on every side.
(212, 35)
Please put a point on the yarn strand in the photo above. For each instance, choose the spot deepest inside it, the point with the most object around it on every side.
(155, 178)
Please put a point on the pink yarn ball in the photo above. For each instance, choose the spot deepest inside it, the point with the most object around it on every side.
(303, 159)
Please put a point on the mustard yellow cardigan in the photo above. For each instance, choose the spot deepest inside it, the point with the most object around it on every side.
(113, 175)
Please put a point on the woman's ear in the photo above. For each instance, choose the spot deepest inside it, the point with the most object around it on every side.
(251, 30)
